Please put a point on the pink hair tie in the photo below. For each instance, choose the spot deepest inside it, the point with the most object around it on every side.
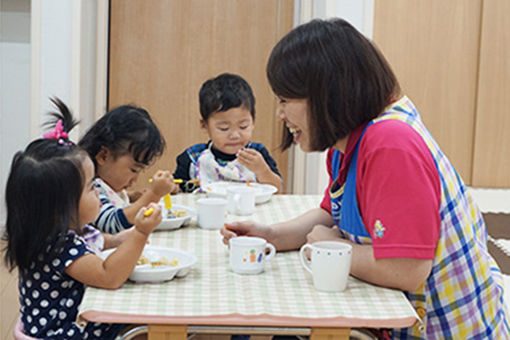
(57, 133)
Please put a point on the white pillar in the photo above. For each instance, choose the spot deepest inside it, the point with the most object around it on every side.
(63, 43)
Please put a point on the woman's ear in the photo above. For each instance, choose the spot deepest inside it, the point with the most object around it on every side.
(102, 155)
(203, 124)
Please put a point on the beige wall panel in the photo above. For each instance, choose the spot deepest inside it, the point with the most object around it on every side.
(161, 52)
(432, 46)
(492, 144)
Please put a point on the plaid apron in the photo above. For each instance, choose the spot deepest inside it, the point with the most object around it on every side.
(463, 296)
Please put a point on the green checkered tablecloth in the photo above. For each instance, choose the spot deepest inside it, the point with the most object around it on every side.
(212, 289)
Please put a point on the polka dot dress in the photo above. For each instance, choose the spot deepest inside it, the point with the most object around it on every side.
(50, 298)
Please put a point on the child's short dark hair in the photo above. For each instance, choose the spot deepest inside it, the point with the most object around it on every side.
(224, 92)
(125, 130)
(42, 195)
(344, 77)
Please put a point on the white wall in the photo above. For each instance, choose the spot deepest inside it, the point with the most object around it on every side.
(14, 87)
(48, 49)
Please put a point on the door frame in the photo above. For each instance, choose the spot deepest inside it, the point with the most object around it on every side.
(306, 172)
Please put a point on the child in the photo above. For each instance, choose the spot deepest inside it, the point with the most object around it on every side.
(227, 107)
(122, 144)
(50, 195)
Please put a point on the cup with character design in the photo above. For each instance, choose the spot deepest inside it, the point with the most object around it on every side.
(248, 254)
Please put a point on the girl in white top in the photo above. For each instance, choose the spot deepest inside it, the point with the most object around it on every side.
(123, 143)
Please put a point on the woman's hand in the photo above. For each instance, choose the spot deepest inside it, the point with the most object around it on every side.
(323, 233)
(245, 228)
(146, 224)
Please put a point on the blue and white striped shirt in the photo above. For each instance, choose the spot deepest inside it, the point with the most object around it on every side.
(111, 218)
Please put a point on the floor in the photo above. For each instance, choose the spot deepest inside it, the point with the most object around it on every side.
(489, 200)
(492, 200)
(8, 300)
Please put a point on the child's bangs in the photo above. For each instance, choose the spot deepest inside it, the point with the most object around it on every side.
(145, 149)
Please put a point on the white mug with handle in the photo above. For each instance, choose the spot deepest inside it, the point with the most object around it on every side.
(329, 265)
(248, 254)
(211, 212)
(241, 200)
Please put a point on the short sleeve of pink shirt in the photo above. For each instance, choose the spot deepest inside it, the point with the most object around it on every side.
(397, 184)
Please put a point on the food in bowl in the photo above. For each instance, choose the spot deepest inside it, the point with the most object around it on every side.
(176, 217)
(176, 213)
(163, 261)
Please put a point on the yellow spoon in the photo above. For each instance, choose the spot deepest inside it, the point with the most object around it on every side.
(176, 181)
(167, 199)
(148, 212)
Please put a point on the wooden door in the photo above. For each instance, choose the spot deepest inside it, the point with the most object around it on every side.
(491, 166)
(432, 45)
(162, 51)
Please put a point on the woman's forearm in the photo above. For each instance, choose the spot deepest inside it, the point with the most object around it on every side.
(291, 234)
(400, 273)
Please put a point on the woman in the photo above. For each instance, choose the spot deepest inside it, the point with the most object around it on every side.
(393, 195)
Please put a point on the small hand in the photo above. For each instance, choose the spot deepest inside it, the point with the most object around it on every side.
(146, 224)
(176, 189)
(162, 183)
(253, 160)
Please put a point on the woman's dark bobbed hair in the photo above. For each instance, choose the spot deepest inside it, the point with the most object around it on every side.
(344, 77)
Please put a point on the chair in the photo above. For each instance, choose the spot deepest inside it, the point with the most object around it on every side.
(19, 333)
(130, 333)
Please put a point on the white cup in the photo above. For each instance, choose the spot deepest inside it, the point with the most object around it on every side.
(330, 264)
(241, 200)
(211, 213)
(248, 254)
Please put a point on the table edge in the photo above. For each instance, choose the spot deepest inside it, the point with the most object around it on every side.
(262, 320)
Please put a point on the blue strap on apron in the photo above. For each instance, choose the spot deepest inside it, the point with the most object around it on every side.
(350, 219)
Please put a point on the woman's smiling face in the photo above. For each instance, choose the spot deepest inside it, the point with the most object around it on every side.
(294, 112)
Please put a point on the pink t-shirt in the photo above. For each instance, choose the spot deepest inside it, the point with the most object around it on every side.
(397, 184)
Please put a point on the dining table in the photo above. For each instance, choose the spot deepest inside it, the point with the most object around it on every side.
(211, 298)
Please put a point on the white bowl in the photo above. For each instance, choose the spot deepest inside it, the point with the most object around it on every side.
(174, 223)
(148, 273)
(219, 189)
